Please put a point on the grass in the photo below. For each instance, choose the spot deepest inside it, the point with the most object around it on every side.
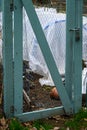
(79, 121)
(40, 125)
(16, 125)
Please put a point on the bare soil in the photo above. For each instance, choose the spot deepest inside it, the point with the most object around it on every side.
(40, 96)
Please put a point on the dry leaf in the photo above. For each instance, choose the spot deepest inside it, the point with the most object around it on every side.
(1, 128)
(3, 121)
(34, 128)
(56, 128)
(85, 119)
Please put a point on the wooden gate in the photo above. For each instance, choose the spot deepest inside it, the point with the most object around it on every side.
(12, 59)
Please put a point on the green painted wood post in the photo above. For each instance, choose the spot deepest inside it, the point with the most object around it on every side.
(0, 5)
(74, 52)
(77, 54)
(18, 57)
(47, 55)
(7, 58)
(69, 47)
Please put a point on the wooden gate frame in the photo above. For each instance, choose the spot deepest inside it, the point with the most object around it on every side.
(70, 94)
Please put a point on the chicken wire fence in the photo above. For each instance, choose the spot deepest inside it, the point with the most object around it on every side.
(51, 15)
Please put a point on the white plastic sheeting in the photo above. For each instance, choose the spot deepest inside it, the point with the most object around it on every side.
(55, 34)
(84, 80)
(85, 40)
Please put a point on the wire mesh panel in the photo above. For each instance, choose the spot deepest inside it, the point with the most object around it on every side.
(52, 18)
(53, 24)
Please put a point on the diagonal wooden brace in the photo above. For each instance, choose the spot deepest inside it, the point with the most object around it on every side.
(48, 55)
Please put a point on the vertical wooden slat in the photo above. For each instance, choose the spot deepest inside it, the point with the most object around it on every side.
(74, 52)
(69, 47)
(7, 58)
(18, 58)
(77, 54)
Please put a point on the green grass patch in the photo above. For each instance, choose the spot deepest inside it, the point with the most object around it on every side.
(16, 125)
(79, 121)
(40, 125)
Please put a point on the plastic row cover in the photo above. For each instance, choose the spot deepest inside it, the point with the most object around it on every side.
(55, 36)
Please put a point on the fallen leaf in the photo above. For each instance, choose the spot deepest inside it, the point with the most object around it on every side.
(85, 119)
(3, 121)
(56, 128)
